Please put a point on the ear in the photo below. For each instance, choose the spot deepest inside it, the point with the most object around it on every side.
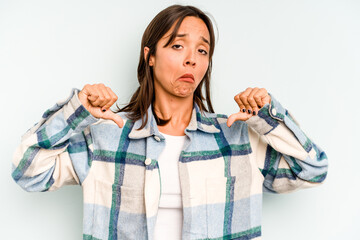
(151, 60)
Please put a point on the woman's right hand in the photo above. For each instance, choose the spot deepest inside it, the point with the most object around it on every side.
(98, 99)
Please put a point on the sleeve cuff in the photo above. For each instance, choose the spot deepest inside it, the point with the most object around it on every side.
(268, 117)
(76, 115)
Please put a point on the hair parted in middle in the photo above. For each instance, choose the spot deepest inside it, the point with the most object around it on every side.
(144, 96)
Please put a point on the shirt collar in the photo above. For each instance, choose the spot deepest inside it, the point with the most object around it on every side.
(199, 121)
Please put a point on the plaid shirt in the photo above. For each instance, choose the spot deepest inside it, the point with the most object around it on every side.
(223, 171)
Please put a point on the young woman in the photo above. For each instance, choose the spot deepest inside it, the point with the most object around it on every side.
(166, 166)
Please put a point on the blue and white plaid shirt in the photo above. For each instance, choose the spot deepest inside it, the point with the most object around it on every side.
(223, 171)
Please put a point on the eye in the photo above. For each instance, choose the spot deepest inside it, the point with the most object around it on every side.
(176, 46)
(203, 51)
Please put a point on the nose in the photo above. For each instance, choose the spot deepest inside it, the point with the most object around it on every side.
(190, 59)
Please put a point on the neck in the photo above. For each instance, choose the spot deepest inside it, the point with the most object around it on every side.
(178, 110)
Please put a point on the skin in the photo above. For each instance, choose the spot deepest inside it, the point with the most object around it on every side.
(187, 54)
(98, 99)
(173, 95)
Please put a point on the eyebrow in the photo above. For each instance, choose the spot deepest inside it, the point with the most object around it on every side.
(202, 38)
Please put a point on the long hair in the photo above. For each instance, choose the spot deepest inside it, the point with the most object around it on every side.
(144, 96)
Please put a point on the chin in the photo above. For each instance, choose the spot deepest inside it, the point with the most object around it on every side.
(184, 93)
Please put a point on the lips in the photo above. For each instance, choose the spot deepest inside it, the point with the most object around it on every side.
(188, 77)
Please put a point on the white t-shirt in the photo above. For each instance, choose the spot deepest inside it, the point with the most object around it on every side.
(170, 216)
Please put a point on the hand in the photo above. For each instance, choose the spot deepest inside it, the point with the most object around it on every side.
(249, 101)
(98, 99)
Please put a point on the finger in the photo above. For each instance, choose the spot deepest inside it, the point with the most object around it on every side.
(252, 101)
(86, 90)
(239, 103)
(92, 94)
(244, 98)
(107, 97)
(101, 98)
(113, 98)
(266, 99)
(259, 97)
(112, 116)
(83, 95)
(236, 117)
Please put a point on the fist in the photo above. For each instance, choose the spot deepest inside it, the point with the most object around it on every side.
(98, 99)
(249, 101)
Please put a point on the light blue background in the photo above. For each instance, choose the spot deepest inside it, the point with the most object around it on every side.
(306, 53)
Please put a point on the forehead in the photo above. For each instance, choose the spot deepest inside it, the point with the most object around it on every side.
(192, 26)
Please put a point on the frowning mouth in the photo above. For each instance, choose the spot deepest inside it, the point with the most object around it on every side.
(187, 78)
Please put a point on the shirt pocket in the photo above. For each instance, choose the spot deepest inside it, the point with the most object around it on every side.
(132, 200)
(119, 204)
(131, 218)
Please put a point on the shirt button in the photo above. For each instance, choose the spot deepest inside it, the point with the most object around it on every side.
(147, 161)
(157, 138)
(274, 111)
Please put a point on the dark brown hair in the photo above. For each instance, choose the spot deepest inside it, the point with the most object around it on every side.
(144, 96)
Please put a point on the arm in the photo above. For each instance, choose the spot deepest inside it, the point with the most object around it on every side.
(286, 157)
(56, 151)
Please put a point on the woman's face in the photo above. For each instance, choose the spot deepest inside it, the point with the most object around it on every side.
(187, 54)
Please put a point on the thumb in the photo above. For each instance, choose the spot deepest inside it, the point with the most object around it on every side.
(113, 116)
(237, 116)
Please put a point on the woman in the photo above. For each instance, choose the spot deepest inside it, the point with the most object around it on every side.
(166, 166)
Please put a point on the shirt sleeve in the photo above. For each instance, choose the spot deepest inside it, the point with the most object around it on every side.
(286, 157)
(57, 150)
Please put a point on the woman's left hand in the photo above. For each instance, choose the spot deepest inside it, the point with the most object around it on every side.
(249, 101)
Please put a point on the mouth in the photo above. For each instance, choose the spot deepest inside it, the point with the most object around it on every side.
(187, 78)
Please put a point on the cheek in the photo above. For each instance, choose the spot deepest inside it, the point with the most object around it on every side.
(169, 61)
(203, 68)
(167, 65)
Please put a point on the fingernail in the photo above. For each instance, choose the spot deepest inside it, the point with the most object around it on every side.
(254, 112)
(249, 111)
(104, 110)
(244, 110)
